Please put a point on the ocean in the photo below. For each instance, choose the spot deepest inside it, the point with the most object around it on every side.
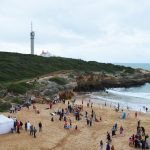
(135, 98)
(145, 66)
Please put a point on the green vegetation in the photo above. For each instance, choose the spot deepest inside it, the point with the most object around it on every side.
(19, 88)
(15, 67)
(17, 101)
(4, 106)
(59, 80)
(71, 75)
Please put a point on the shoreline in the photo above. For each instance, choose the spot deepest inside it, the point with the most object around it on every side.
(111, 103)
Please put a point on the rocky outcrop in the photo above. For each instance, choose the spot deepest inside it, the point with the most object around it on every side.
(66, 95)
(95, 82)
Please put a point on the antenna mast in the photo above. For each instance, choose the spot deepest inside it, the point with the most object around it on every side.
(32, 34)
(31, 26)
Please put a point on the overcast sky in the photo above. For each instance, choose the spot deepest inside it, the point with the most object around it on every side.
(100, 30)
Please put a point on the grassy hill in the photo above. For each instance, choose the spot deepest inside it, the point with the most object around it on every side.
(15, 66)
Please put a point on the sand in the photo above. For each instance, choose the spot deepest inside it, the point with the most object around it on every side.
(55, 137)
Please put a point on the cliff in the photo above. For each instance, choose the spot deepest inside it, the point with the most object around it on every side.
(95, 82)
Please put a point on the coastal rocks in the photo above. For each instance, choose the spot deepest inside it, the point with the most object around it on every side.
(66, 95)
(95, 82)
(49, 89)
(39, 100)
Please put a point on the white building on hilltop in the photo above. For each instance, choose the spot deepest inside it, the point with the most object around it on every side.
(45, 54)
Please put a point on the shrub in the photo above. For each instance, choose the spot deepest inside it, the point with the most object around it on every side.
(4, 106)
(19, 88)
(71, 76)
(59, 80)
(17, 101)
(15, 67)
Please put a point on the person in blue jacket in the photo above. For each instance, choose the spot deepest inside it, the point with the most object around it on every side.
(107, 146)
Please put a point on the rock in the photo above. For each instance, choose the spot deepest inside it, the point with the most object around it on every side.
(95, 82)
(66, 95)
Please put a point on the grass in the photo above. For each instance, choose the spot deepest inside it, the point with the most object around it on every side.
(17, 101)
(59, 80)
(19, 88)
(4, 106)
(15, 67)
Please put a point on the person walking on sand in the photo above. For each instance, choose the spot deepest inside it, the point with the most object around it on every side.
(31, 130)
(90, 122)
(76, 127)
(121, 130)
(25, 125)
(15, 125)
(21, 124)
(91, 105)
(40, 126)
(34, 132)
(87, 121)
(108, 138)
(18, 127)
(50, 105)
(107, 146)
(139, 123)
(146, 109)
(70, 121)
(113, 131)
(100, 118)
(101, 145)
(135, 114)
(52, 119)
(112, 147)
(28, 126)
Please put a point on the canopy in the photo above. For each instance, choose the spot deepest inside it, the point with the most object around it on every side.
(5, 124)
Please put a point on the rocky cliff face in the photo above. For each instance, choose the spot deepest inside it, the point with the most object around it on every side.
(87, 82)
(95, 82)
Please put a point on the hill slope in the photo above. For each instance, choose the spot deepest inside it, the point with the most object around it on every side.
(15, 66)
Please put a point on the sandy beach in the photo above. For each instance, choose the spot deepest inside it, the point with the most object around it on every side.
(55, 137)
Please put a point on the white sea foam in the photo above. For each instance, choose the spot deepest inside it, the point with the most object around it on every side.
(135, 101)
(136, 95)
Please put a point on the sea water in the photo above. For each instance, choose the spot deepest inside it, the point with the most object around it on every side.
(134, 98)
(145, 66)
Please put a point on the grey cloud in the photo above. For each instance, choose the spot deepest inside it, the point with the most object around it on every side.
(108, 31)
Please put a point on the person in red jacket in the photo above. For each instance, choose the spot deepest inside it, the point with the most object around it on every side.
(18, 126)
(112, 147)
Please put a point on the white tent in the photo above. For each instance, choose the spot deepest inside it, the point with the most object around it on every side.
(5, 124)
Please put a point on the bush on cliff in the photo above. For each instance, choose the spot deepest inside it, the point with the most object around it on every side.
(17, 101)
(4, 106)
(15, 66)
(19, 88)
(59, 80)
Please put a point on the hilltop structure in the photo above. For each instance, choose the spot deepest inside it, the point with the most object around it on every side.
(32, 34)
(45, 54)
